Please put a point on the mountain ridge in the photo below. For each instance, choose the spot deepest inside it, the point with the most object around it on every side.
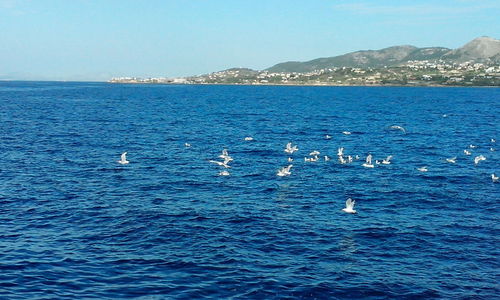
(481, 49)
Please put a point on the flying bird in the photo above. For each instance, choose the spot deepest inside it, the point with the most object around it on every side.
(123, 159)
(285, 171)
(397, 127)
(349, 206)
(452, 160)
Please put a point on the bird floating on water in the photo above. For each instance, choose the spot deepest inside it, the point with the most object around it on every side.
(479, 158)
(328, 137)
(398, 128)
(349, 206)
(452, 160)
(187, 145)
(422, 169)
(291, 149)
(368, 163)
(327, 158)
(472, 146)
(224, 173)
(493, 140)
(123, 159)
(340, 151)
(248, 138)
(466, 152)
(346, 132)
(285, 171)
(290, 159)
(314, 153)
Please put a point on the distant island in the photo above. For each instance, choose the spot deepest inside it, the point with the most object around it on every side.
(477, 63)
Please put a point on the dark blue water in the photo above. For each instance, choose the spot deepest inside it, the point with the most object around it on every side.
(75, 223)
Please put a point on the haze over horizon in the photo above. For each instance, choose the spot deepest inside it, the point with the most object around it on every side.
(96, 40)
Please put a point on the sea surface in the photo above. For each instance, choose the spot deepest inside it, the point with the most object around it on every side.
(74, 223)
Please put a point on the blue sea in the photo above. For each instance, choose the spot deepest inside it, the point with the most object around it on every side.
(74, 223)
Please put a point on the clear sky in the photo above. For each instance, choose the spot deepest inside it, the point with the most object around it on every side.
(100, 39)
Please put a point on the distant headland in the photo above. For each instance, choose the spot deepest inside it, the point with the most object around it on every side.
(477, 63)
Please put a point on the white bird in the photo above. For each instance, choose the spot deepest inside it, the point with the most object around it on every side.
(290, 159)
(248, 138)
(328, 137)
(479, 158)
(494, 178)
(123, 159)
(187, 145)
(452, 160)
(225, 155)
(340, 151)
(398, 128)
(491, 149)
(346, 132)
(492, 140)
(314, 153)
(368, 163)
(221, 163)
(422, 169)
(327, 158)
(387, 161)
(285, 171)
(342, 161)
(349, 159)
(466, 152)
(291, 149)
(472, 146)
(224, 173)
(311, 159)
(349, 206)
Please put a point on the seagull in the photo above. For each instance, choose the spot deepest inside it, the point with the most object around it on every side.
(314, 153)
(123, 159)
(187, 145)
(398, 128)
(224, 173)
(340, 151)
(491, 149)
(422, 169)
(222, 163)
(387, 161)
(328, 137)
(349, 159)
(248, 138)
(494, 178)
(479, 158)
(368, 163)
(466, 152)
(342, 161)
(346, 132)
(311, 159)
(452, 160)
(285, 171)
(291, 149)
(225, 155)
(327, 158)
(472, 146)
(290, 159)
(349, 206)
(492, 140)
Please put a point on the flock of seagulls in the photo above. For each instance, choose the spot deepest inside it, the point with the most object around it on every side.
(342, 159)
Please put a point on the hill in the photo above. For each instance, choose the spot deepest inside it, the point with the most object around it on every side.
(482, 49)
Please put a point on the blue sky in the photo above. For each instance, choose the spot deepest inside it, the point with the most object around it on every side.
(100, 39)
